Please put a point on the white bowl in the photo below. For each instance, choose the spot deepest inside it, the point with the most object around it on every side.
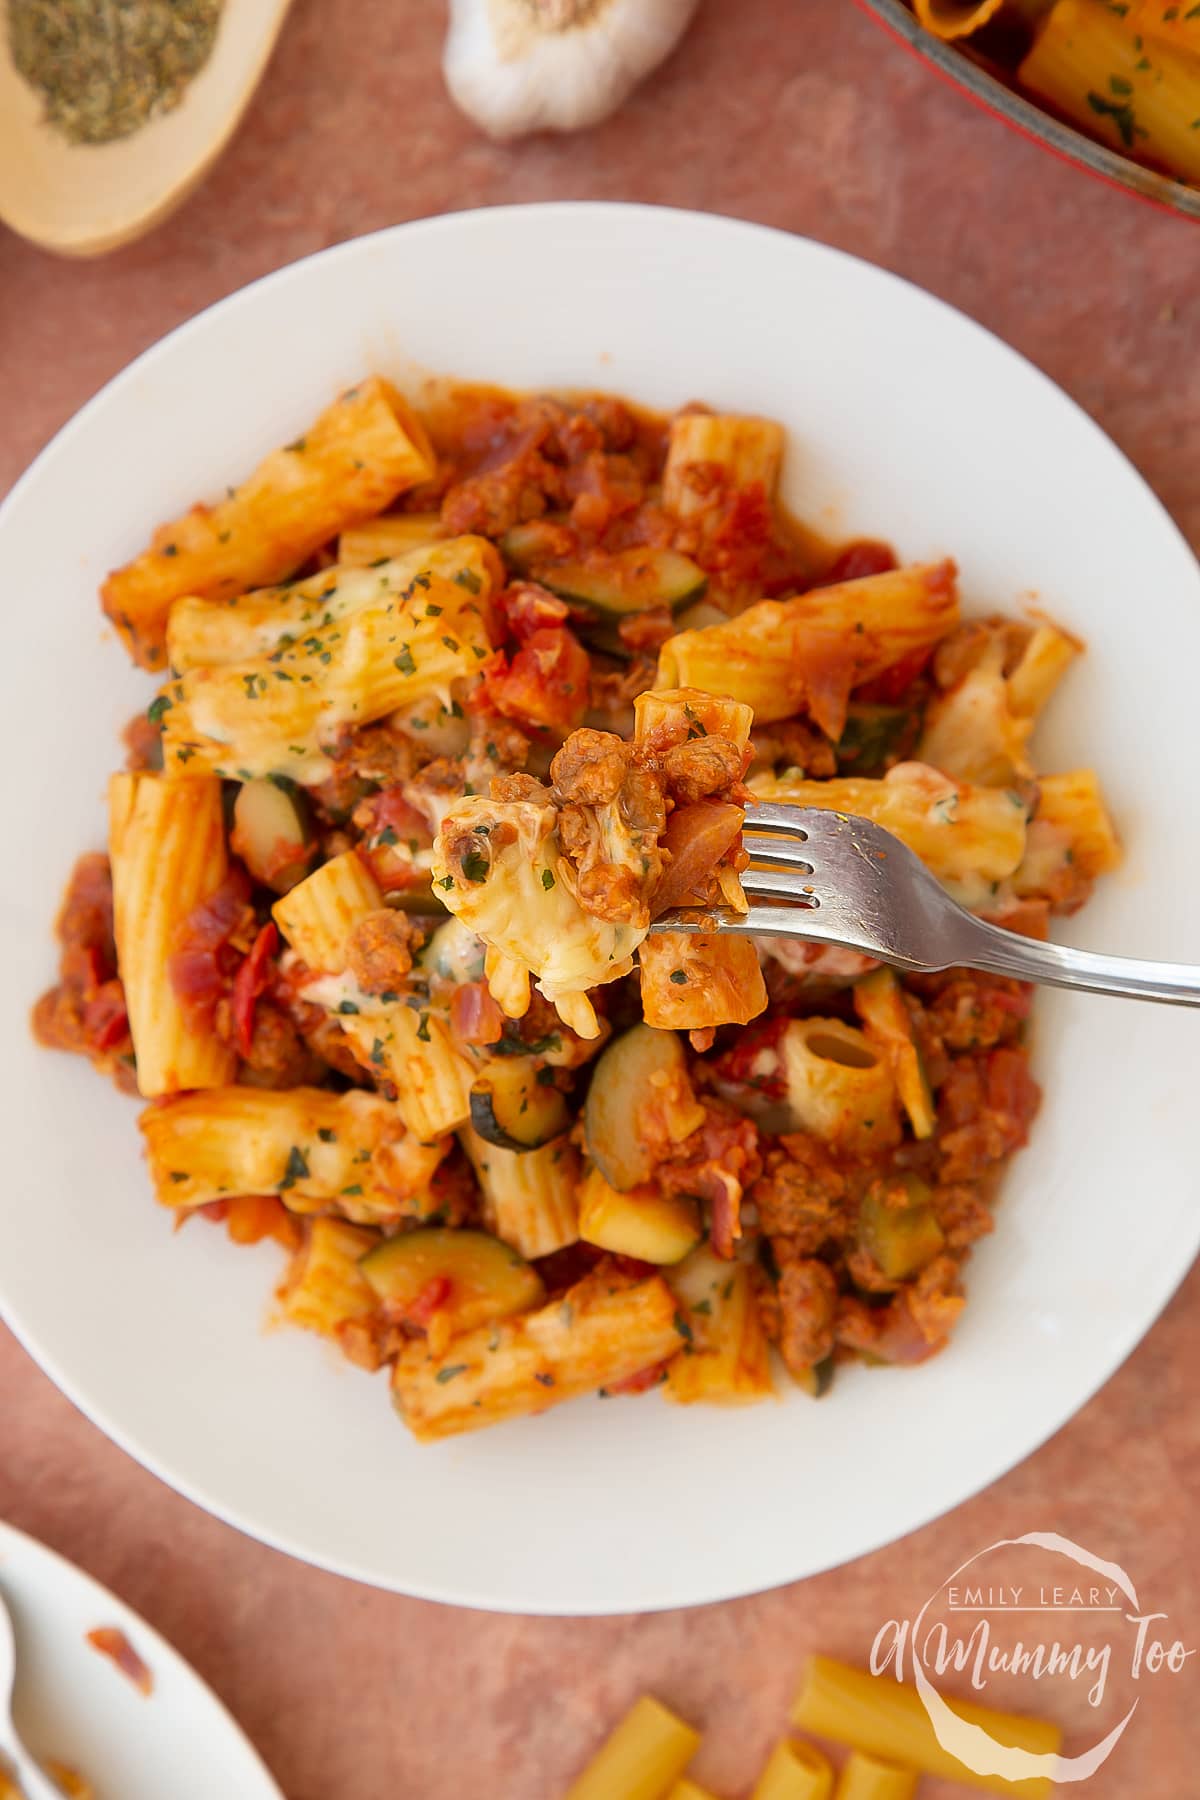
(907, 422)
(72, 1703)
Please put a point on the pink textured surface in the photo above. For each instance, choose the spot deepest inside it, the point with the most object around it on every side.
(802, 116)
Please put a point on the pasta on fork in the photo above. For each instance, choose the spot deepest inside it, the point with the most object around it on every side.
(451, 706)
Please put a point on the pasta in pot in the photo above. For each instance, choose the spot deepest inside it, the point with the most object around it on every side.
(457, 714)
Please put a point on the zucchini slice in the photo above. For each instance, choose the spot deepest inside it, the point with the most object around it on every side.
(879, 1003)
(512, 1108)
(616, 583)
(654, 1227)
(898, 1227)
(624, 1074)
(478, 1279)
(272, 832)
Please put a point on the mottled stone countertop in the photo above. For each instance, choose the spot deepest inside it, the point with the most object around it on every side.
(803, 116)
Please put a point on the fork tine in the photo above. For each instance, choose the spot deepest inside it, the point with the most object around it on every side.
(771, 884)
(783, 819)
(777, 852)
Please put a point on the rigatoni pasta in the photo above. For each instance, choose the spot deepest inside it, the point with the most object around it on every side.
(167, 847)
(384, 933)
(356, 457)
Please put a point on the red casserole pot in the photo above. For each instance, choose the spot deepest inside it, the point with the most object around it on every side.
(1027, 117)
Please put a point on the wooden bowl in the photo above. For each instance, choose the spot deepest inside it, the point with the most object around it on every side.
(83, 199)
(1026, 116)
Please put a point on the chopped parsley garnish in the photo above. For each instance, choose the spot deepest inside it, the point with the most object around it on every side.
(682, 1327)
(423, 1029)
(296, 1170)
(467, 578)
(475, 866)
(405, 663)
(326, 1134)
(449, 1372)
(179, 1175)
(157, 708)
(547, 879)
(678, 977)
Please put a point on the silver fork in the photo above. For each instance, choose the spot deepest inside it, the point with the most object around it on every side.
(831, 879)
(33, 1783)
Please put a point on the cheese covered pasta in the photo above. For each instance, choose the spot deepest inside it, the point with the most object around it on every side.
(453, 704)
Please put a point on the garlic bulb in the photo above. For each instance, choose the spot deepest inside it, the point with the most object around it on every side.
(516, 66)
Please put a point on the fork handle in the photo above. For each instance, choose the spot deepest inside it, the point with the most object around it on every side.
(1000, 952)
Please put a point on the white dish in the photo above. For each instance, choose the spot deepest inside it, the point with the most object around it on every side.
(907, 422)
(74, 1704)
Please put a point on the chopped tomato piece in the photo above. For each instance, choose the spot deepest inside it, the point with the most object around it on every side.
(866, 556)
(546, 685)
(249, 983)
(431, 1298)
(894, 683)
(105, 1020)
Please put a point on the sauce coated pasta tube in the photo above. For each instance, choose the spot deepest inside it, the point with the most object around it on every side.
(167, 850)
(357, 456)
(955, 18)
(1092, 65)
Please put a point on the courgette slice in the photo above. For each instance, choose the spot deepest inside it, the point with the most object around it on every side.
(512, 1108)
(615, 583)
(898, 1228)
(478, 1279)
(624, 1076)
(872, 734)
(272, 833)
(879, 1003)
(654, 1227)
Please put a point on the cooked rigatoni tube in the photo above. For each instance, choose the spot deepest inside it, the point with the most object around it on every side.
(530, 1197)
(316, 1150)
(840, 1087)
(1094, 65)
(727, 1360)
(394, 535)
(979, 729)
(640, 1760)
(325, 1288)
(277, 714)
(400, 1036)
(1070, 839)
(603, 1330)
(784, 656)
(868, 1778)
(358, 455)
(876, 1714)
(689, 1790)
(955, 18)
(319, 913)
(745, 451)
(690, 980)
(663, 717)
(1178, 24)
(795, 1771)
(166, 842)
(211, 633)
(970, 837)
